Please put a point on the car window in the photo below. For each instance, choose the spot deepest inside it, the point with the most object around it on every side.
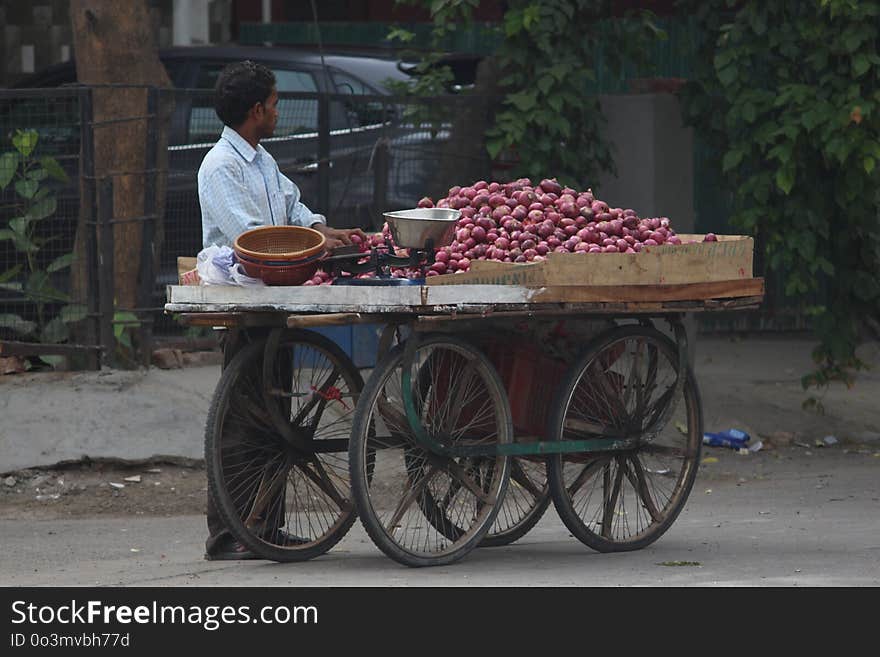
(363, 113)
(347, 84)
(294, 115)
(177, 71)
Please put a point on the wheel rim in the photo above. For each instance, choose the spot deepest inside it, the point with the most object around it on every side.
(527, 494)
(289, 499)
(429, 505)
(623, 498)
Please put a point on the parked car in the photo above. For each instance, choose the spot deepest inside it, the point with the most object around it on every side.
(356, 127)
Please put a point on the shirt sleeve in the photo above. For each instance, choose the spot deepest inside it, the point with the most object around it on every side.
(228, 203)
(297, 212)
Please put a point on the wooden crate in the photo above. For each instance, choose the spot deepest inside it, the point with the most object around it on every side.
(186, 271)
(729, 259)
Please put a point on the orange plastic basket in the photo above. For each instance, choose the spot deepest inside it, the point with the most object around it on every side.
(279, 243)
(280, 255)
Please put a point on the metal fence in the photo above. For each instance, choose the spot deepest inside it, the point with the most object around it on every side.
(353, 157)
(39, 214)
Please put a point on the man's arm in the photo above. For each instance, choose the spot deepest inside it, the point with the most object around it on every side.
(300, 215)
(228, 203)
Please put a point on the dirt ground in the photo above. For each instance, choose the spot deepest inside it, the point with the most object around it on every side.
(178, 487)
(93, 488)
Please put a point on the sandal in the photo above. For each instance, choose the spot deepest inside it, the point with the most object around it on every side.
(231, 550)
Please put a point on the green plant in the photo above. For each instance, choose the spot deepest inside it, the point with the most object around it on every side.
(787, 92)
(549, 122)
(124, 323)
(33, 203)
(429, 76)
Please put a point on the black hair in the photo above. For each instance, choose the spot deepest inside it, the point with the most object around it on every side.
(240, 86)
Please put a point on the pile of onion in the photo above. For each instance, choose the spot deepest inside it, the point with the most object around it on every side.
(520, 222)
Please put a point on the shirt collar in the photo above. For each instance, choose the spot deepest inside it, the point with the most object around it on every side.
(239, 143)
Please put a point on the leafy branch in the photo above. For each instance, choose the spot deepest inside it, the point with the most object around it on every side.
(549, 122)
(787, 92)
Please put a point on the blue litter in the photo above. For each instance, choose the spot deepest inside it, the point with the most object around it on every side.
(732, 438)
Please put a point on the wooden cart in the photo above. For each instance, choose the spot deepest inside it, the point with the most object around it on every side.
(429, 451)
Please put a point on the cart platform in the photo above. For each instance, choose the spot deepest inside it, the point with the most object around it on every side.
(244, 305)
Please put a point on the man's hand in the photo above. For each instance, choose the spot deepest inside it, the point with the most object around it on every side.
(338, 236)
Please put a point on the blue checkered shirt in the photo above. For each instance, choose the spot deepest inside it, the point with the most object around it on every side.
(241, 188)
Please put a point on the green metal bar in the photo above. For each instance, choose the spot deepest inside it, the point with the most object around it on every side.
(412, 416)
(544, 447)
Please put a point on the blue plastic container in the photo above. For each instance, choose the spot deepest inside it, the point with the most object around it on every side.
(733, 438)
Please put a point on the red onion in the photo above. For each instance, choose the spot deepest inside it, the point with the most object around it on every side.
(480, 200)
(551, 186)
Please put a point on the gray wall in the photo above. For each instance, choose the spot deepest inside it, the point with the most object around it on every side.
(43, 28)
(653, 152)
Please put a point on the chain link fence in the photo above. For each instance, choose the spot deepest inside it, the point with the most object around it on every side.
(41, 134)
(352, 156)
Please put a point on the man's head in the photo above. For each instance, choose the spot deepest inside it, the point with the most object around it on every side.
(245, 96)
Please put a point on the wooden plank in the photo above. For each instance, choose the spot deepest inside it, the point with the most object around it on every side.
(730, 258)
(234, 318)
(344, 298)
(186, 271)
(651, 293)
(212, 319)
(465, 299)
(13, 348)
(332, 319)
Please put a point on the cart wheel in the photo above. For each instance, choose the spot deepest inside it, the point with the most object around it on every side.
(526, 499)
(622, 387)
(419, 507)
(285, 495)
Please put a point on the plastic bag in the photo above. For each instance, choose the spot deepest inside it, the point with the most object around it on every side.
(216, 266)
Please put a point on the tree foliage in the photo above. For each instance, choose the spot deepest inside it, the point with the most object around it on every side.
(549, 122)
(787, 92)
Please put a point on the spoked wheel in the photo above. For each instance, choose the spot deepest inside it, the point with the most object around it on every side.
(624, 388)
(419, 507)
(276, 445)
(526, 500)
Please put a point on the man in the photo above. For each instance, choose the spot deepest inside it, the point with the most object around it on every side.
(240, 185)
(240, 188)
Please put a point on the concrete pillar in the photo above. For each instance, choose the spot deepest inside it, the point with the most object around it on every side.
(190, 23)
(654, 154)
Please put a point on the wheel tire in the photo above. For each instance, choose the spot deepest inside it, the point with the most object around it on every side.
(239, 409)
(639, 476)
(526, 499)
(522, 508)
(401, 471)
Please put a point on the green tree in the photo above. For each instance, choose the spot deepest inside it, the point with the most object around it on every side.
(787, 92)
(549, 121)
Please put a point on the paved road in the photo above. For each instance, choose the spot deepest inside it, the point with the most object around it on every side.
(778, 519)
